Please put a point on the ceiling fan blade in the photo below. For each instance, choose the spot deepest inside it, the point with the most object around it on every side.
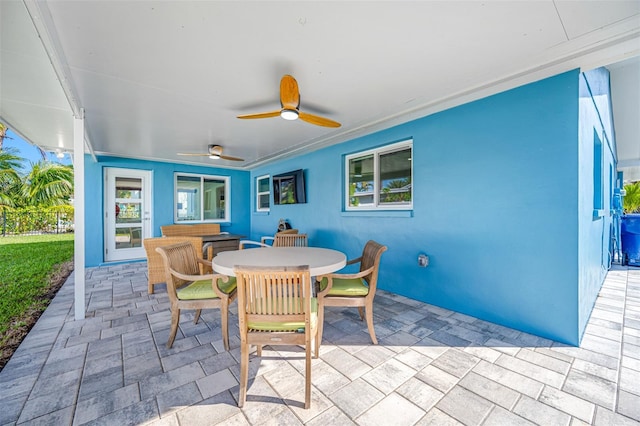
(317, 120)
(193, 155)
(289, 93)
(226, 157)
(261, 115)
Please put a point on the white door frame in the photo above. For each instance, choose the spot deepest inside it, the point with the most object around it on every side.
(116, 250)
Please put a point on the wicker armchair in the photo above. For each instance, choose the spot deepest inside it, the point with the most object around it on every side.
(195, 230)
(188, 289)
(275, 307)
(357, 290)
(155, 267)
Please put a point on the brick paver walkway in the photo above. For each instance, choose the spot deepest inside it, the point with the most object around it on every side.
(432, 366)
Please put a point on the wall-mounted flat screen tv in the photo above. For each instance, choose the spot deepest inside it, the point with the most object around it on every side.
(288, 188)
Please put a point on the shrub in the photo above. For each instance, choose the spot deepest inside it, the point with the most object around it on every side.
(30, 220)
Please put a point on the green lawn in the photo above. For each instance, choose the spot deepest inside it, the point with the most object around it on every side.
(26, 264)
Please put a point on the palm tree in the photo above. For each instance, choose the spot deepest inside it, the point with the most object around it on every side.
(10, 180)
(390, 196)
(631, 200)
(398, 183)
(48, 184)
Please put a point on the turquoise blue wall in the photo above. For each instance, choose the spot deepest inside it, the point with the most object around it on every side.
(495, 208)
(163, 187)
(503, 206)
(595, 123)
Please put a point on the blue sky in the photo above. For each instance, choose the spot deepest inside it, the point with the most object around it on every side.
(29, 152)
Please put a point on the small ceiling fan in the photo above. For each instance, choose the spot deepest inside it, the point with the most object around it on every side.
(290, 103)
(214, 152)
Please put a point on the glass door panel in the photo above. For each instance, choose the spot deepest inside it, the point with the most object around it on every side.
(129, 192)
(128, 230)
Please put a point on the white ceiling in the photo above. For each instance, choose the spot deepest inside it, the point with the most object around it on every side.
(157, 78)
(625, 91)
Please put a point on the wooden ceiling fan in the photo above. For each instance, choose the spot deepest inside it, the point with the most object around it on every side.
(290, 103)
(214, 152)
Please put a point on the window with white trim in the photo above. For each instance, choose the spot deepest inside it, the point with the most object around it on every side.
(263, 194)
(381, 178)
(202, 198)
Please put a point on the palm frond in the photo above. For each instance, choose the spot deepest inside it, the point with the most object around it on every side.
(631, 201)
(48, 184)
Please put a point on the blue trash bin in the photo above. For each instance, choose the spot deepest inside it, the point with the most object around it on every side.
(630, 232)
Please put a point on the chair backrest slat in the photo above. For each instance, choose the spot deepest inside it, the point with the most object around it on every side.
(290, 240)
(273, 293)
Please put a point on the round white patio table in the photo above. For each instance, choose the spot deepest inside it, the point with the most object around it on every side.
(320, 260)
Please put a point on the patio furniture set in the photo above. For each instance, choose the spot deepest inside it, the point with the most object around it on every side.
(282, 289)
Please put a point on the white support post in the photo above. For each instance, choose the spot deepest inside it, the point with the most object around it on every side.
(78, 182)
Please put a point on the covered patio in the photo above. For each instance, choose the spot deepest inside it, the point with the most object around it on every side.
(432, 366)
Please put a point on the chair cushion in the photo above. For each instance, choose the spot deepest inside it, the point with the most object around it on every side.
(202, 289)
(286, 326)
(346, 287)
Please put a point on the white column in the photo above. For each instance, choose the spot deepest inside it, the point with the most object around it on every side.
(78, 182)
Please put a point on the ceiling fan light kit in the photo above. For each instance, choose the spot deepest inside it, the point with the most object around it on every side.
(289, 114)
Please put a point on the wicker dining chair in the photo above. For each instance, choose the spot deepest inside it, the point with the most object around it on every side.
(155, 267)
(276, 307)
(357, 290)
(188, 289)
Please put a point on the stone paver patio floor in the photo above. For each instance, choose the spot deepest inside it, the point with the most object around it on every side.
(432, 366)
